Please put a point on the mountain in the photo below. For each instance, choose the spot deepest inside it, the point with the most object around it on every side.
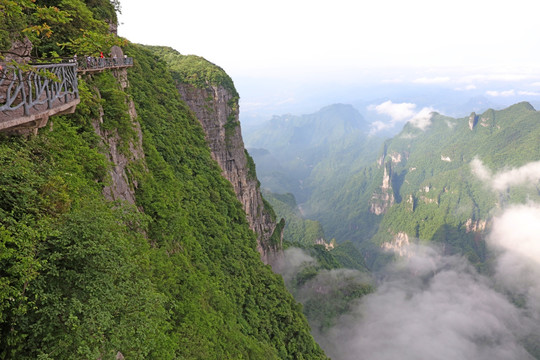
(329, 124)
(215, 104)
(422, 185)
(298, 231)
(425, 184)
(119, 235)
(295, 153)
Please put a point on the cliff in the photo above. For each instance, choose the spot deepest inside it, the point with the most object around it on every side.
(383, 198)
(214, 101)
(121, 186)
(216, 109)
(120, 238)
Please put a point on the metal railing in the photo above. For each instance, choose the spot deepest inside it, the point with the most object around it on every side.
(90, 63)
(43, 90)
(42, 87)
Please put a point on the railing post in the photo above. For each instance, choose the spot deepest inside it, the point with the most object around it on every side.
(49, 97)
(75, 82)
(64, 84)
(23, 93)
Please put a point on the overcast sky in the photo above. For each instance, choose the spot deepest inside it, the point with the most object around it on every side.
(297, 56)
(258, 38)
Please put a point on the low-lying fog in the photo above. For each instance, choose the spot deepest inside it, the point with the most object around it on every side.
(431, 306)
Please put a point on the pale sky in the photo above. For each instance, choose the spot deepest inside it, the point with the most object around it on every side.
(297, 56)
(301, 37)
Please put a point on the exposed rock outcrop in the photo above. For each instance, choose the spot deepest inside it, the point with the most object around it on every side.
(121, 188)
(475, 225)
(446, 158)
(20, 51)
(473, 120)
(396, 157)
(383, 198)
(217, 110)
(399, 245)
(411, 203)
(327, 245)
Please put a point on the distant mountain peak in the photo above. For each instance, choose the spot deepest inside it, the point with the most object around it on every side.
(524, 105)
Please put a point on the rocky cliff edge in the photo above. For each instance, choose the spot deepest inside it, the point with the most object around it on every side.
(217, 109)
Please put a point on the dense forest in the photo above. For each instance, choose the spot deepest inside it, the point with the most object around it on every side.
(418, 186)
(423, 211)
(172, 271)
(175, 275)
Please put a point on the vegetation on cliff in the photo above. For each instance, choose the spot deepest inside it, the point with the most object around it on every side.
(59, 28)
(423, 187)
(298, 231)
(431, 175)
(239, 291)
(201, 73)
(176, 276)
(194, 70)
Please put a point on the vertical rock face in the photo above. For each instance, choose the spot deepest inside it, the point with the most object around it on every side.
(399, 245)
(120, 187)
(473, 120)
(383, 198)
(217, 110)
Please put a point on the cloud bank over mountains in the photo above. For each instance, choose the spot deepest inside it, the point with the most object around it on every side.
(429, 305)
(515, 234)
(528, 175)
(399, 114)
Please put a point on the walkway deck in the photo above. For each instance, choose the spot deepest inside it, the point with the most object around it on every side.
(28, 98)
(92, 64)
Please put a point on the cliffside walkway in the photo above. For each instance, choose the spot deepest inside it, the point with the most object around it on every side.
(93, 64)
(29, 95)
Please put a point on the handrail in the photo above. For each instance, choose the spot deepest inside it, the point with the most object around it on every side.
(46, 89)
(49, 84)
(90, 63)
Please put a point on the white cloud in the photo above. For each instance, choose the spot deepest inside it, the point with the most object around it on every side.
(529, 93)
(397, 112)
(423, 118)
(289, 100)
(434, 297)
(528, 174)
(377, 126)
(516, 235)
(501, 93)
(408, 136)
(488, 76)
(292, 261)
(432, 80)
(400, 113)
(466, 88)
(392, 81)
(518, 230)
(429, 295)
(481, 171)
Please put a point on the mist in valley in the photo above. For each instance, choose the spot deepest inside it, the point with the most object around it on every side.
(431, 305)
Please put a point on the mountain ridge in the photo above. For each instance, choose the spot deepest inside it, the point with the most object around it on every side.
(420, 181)
(119, 236)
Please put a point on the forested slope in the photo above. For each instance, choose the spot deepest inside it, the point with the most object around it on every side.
(425, 185)
(176, 275)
